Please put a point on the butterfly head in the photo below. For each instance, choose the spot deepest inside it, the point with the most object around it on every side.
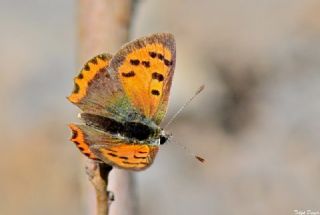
(164, 137)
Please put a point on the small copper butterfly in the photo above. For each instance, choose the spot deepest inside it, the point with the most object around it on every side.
(124, 98)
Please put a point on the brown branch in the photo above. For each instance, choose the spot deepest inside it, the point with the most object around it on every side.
(98, 175)
(104, 27)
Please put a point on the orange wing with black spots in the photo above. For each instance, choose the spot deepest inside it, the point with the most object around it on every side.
(112, 150)
(94, 88)
(145, 68)
(126, 156)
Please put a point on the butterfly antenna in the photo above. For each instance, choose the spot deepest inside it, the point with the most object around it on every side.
(199, 158)
(183, 106)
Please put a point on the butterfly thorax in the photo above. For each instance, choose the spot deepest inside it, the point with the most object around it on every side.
(133, 131)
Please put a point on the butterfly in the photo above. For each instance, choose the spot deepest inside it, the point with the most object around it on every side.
(124, 99)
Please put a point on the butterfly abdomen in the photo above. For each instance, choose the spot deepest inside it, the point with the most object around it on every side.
(130, 130)
(102, 123)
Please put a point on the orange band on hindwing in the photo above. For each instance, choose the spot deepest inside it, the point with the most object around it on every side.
(87, 74)
(136, 157)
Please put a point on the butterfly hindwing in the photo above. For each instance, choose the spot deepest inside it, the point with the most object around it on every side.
(80, 141)
(145, 69)
(103, 146)
(127, 156)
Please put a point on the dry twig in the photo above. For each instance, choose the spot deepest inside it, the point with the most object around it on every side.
(104, 27)
(98, 175)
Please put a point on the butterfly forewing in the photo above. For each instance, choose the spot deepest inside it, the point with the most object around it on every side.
(145, 69)
(95, 90)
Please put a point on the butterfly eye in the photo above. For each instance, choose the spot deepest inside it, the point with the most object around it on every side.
(163, 139)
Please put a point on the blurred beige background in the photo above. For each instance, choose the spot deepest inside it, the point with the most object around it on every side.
(257, 123)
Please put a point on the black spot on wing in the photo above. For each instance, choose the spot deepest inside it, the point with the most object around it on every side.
(131, 163)
(141, 152)
(94, 61)
(124, 157)
(80, 76)
(146, 64)
(113, 155)
(155, 92)
(157, 76)
(167, 62)
(76, 88)
(138, 157)
(135, 62)
(74, 134)
(160, 56)
(152, 54)
(86, 67)
(128, 74)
